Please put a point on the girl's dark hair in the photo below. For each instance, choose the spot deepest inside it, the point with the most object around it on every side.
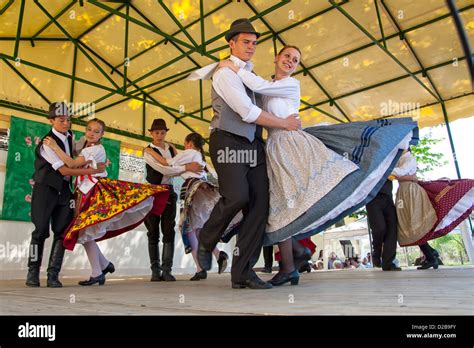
(198, 142)
(289, 46)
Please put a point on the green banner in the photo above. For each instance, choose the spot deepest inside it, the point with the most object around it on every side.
(23, 138)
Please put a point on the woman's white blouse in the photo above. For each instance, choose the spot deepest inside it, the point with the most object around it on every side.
(406, 165)
(281, 97)
(185, 157)
(96, 154)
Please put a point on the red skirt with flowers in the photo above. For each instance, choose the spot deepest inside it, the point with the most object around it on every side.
(111, 208)
(453, 201)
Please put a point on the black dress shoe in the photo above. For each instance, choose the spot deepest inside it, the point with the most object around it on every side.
(53, 281)
(392, 267)
(222, 261)
(167, 277)
(429, 264)
(256, 283)
(204, 258)
(282, 278)
(199, 276)
(32, 279)
(266, 270)
(32, 283)
(305, 268)
(377, 263)
(92, 280)
(109, 269)
(155, 275)
(300, 260)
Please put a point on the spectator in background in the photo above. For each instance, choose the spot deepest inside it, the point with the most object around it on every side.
(354, 262)
(332, 258)
(337, 264)
(369, 258)
(347, 263)
(365, 263)
(319, 265)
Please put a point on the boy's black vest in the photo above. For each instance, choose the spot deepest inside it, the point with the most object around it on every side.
(153, 176)
(44, 173)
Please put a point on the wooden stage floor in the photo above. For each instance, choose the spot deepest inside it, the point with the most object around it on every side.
(446, 291)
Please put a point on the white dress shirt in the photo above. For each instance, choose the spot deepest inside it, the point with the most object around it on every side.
(96, 154)
(280, 97)
(168, 172)
(229, 87)
(185, 157)
(204, 73)
(51, 156)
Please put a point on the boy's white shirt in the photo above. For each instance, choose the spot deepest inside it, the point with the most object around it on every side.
(168, 172)
(49, 155)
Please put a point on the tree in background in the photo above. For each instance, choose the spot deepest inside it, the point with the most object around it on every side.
(427, 159)
(451, 248)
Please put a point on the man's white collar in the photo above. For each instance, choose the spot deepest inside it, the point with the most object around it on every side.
(61, 136)
(205, 73)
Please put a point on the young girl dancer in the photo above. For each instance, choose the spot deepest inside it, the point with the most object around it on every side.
(199, 194)
(104, 207)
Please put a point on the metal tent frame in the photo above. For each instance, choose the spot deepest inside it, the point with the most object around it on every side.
(131, 89)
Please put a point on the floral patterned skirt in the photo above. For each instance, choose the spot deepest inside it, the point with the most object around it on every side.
(198, 198)
(113, 207)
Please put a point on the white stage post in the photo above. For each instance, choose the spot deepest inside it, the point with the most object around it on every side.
(467, 239)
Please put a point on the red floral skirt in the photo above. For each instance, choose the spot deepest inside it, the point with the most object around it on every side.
(111, 208)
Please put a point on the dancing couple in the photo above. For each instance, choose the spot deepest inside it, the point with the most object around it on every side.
(104, 207)
(303, 180)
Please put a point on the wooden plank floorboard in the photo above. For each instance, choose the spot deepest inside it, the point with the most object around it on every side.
(446, 291)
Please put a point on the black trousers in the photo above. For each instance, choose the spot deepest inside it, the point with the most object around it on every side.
(428, 251)
(49, 207)
(242, 186)
(382, 217)
(268, 256)
(167, 220)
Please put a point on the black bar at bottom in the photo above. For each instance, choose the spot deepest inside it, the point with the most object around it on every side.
(22, 331)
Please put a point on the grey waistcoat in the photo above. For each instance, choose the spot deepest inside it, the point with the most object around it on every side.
(228, 120)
